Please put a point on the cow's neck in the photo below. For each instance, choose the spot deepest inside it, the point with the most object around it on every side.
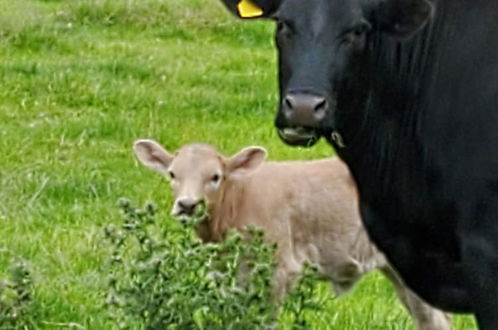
(391, 147)
(387, 137)
(383, 131)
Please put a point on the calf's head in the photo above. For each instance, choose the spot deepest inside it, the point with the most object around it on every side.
(197, 172)
(322, 51)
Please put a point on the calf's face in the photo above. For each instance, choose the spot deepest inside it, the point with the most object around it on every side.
(197, 172)
(323, 48)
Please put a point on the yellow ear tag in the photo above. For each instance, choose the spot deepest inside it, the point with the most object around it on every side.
(247, 9)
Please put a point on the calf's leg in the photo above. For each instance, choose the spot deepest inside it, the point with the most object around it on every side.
(286, 274)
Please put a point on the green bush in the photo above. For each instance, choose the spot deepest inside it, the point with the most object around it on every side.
(166, 278)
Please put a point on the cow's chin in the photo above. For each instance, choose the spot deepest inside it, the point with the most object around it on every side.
(299, 136)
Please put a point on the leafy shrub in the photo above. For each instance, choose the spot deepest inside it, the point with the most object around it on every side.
(166, 278)
(175, 281)
(16, 295)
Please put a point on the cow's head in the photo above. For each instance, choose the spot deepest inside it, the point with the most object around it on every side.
(197, 172)
(322, 47)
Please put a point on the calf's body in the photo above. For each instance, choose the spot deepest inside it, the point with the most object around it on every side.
(309, 208)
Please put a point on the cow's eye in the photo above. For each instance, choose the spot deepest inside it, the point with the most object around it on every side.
(171, 175)
(356, 36)
(283, 28)
(360, 30)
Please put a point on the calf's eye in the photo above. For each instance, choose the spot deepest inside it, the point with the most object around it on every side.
(171, 175)
(215, 178)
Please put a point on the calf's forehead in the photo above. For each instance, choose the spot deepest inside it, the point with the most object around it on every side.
(196, 159)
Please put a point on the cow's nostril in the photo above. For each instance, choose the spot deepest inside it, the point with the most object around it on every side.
(289, 102)
(303, 109)
(321, 105)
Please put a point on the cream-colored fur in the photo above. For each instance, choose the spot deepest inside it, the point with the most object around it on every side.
(309, 208)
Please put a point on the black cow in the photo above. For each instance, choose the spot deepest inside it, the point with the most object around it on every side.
(407, 92)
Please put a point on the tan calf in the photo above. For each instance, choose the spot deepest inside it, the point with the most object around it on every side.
(309, 208)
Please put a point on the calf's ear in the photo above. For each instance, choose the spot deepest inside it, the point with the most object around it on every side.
(153, 155)
(402, 18)
(248, 9)
(247, 159)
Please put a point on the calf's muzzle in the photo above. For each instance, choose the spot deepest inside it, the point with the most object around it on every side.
(185, 206)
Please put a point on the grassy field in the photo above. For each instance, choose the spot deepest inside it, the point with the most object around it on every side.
(80, 81)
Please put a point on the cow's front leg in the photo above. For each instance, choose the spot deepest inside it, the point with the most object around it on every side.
(385, 236)
(481, 260)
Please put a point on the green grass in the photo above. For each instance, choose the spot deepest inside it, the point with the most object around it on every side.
(80, 81)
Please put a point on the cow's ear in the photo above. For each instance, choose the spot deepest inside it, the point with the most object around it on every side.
(247, 159)
(402, 18)
(248, 9)
(153, 155)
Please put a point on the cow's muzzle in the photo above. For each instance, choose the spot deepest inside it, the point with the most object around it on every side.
(303, 109)
(301, 116)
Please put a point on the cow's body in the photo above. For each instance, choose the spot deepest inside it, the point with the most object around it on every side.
(426, 160)
(310, 209)
(411, 89)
